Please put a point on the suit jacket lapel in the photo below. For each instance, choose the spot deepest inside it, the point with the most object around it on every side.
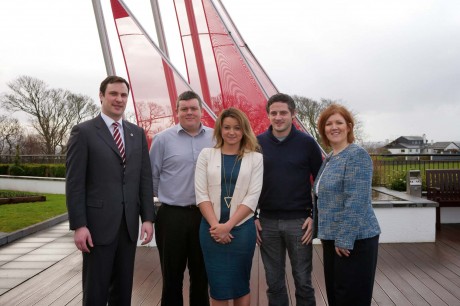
(129, 135)
(104, 132)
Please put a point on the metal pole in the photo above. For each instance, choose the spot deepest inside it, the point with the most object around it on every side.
(169, 75)
(195, 36)
(103, 37)
(159, 27)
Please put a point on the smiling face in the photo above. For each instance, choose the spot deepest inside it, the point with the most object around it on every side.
(189, 114)
(114, 99)
(336, 130)
(231, 132)
(280, 118)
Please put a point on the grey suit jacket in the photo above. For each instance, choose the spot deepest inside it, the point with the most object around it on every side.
(99, 188)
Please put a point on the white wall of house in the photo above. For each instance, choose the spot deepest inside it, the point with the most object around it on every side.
(452, 147)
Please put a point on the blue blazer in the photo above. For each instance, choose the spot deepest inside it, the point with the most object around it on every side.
(344, 190)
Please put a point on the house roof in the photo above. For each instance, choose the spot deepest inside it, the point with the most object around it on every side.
(440, 145)
(401, 146)
(412, 137)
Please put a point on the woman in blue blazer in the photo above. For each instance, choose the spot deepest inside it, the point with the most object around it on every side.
(347, 226)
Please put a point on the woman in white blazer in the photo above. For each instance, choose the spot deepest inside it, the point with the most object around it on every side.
(228, 182)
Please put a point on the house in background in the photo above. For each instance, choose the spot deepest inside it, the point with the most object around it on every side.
(407, 145)
(444, 147)
(415, 145)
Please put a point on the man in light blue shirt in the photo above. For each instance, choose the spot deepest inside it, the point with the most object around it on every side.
(173, 157)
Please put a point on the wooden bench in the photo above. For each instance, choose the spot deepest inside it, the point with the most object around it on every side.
(443, 186)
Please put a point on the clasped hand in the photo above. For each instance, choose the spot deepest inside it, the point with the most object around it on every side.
(221, 233)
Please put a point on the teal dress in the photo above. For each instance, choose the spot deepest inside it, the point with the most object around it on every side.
(228, 266)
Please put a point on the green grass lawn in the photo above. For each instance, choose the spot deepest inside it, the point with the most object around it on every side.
(386, 173)
(17, 216)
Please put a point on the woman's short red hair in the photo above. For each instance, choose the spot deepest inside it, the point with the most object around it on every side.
(329, 111)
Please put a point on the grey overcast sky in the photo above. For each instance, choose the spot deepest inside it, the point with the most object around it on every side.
(396, 63)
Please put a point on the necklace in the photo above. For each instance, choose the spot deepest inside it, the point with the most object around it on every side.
(228, 198)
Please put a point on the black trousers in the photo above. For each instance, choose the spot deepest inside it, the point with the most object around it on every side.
(177, 237)
(350, 280)
(108, 271)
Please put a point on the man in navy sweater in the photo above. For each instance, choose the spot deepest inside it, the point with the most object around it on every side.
(291, 157)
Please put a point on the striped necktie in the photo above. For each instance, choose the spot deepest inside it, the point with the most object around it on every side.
(118, 141)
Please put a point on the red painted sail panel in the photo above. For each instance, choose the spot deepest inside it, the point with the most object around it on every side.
(155, 84)
(235, 77)
(230, 80)
(265, 82)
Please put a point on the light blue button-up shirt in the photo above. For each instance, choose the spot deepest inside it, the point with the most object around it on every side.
(173, 156)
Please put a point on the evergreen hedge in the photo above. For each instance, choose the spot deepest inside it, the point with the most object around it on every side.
(41, 170)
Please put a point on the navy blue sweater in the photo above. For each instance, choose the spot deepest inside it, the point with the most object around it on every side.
(288, 165)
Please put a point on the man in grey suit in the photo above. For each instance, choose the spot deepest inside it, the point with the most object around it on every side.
(108, 186)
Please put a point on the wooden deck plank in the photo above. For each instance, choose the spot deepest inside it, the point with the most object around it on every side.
(318, 276)
(387, 267)
(437, 271)
(73, 293)
(408, 274)
(148, 275)
(255, 275)
(379, 297)
(387, 260)
(60, 291)
(75, 301)
(390, 289)
(260, 280)
(42, 283)
(417, 268)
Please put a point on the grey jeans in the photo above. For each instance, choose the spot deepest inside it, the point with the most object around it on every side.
(279, 236)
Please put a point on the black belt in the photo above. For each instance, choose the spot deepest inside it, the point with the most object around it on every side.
(193, 206)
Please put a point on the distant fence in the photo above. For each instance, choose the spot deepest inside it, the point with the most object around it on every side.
(390, 168)
(387, 167)
(33, 159)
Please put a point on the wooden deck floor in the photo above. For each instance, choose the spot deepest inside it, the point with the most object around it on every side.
(407, 274)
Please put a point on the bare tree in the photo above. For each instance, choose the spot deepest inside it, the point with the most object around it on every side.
(52, 112)
(153, 117)
(11, 134)
(308, 111)
(31, 145)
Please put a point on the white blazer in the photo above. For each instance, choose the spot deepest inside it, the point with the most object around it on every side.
(248, 185)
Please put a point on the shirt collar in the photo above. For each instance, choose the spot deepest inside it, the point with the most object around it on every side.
(288, 136)
(108, 121)
(179, 128)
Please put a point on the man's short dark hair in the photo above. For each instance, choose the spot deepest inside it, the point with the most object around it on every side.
(188, 95)
(110, 80)
(283, 98)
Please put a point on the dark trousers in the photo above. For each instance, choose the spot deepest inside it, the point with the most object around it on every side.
(177, 237)
(279, 236)
(350, 280)
(108, 271)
